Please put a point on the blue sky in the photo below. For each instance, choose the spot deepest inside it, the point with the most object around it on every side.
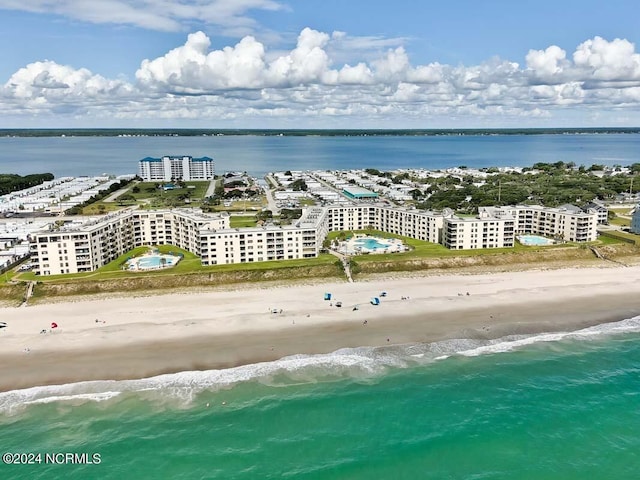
(319, 64)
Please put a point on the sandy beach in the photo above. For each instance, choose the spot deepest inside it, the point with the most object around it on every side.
(135, 337)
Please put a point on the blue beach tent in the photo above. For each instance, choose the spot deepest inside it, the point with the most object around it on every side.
(375, 301)
(327, 296)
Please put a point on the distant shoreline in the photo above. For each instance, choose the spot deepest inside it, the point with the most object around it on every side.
(188, 132)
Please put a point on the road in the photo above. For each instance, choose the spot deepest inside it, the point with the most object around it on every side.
(112, 198)
(271, 202)
(212, 188)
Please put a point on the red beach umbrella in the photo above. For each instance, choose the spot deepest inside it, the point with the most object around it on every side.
(54, 325)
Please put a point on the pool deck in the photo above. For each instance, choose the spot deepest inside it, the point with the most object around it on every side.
(133, 264)
(534, 240)
(390, 245)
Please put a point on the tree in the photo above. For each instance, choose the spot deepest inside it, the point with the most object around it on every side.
(126, 198)
(399, 178)
(298, 185)
(235, 193)
(290, 213)
(415, 193)
(264, 215)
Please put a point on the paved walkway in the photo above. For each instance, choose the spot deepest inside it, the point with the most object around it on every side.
(28, 293)
(112, 198)
(212, 188)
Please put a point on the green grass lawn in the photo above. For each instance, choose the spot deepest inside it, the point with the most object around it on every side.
(630, 236)
(623, 222)
(150, 196)
(242, 221)
(190, 263)
(621, 211)
(422, 249)
(101, 207)
(602, 240)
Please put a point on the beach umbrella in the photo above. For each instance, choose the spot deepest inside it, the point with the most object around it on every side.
(3, 324)
(54, 325)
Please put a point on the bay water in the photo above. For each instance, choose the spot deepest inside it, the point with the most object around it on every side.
(257, 155)
(550, 406)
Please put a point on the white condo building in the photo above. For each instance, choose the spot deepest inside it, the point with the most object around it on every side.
(89, 246)
(567, 222)
(170, 168)
(86, 247)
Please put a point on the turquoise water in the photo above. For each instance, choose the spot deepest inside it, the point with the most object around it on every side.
(371, 244)
(154, 261)
(550, 406)
(534, 240)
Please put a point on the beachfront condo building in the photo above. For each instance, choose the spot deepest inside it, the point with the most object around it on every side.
(87, 246)
(84, 247)
(478, 232)
(170, 168)
(567, 222)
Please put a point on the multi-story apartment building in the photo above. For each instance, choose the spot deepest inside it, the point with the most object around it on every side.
(596, 206)
(484, 231)
(418, 224)
(567, 222)
(86, 247)
(170, 168)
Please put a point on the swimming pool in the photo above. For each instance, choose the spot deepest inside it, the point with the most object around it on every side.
(371, 243)
(361, 244)
(152, 262)
(534, 240)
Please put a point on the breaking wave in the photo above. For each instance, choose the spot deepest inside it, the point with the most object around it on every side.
(360, 364)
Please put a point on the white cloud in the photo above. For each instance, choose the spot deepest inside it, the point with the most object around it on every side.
(249, 81)
(547, 65)
(192, 69)
(165, 15)
(608, 61)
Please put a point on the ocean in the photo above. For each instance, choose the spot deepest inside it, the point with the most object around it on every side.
(257, 155)
(550, 406)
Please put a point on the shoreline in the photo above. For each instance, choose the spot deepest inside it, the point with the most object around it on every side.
(138, 337)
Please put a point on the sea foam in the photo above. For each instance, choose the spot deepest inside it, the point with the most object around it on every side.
(360, 364)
